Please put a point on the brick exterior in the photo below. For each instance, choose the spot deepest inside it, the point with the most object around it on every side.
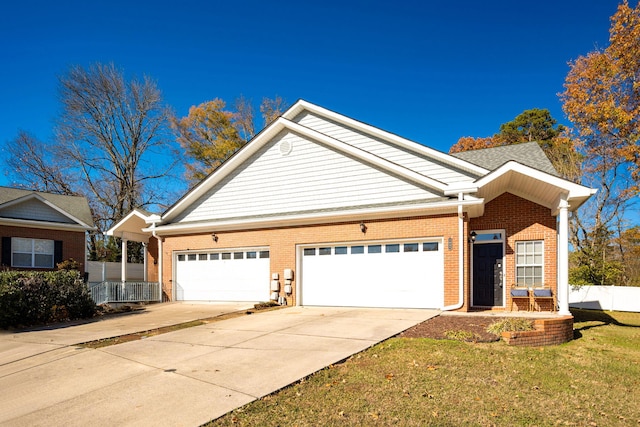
(521, 219)
(73, 242)
(282, 244)
(547, 332)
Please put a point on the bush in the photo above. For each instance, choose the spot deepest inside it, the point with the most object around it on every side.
(510, 324)
(34, 297)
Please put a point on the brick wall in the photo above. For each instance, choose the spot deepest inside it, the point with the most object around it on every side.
(73, 245)
(547, 332)
(282, 244)
(521, 220)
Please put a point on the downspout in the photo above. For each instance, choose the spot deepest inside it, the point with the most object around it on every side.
(461, 241)
(160, 250)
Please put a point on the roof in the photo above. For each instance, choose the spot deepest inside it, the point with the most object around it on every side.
(313, 165)
(528, 153)
(76, 208)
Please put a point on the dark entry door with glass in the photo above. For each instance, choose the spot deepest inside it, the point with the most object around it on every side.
(487, 274)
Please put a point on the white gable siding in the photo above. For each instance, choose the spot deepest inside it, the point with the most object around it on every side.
(388, 151)
(34, 210)
(311, 177)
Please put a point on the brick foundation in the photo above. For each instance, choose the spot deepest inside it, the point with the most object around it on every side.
(547, 332)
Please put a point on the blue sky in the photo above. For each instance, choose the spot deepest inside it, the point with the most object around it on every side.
(431, 71)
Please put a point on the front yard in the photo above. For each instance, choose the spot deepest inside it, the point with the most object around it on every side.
(591, 381)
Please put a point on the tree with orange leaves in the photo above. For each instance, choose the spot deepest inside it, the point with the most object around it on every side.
(602, 96)
(602, 100)
(210, 134)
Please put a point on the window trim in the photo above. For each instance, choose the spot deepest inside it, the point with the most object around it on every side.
(523, 243)
(33, 253)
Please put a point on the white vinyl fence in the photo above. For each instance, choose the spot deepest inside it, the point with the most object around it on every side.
(616, 298)
(101, 271)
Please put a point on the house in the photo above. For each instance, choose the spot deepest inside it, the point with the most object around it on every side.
(321, 209)
(40, 230)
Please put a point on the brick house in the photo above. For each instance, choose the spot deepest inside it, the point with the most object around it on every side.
(321, 209)
(38, 230)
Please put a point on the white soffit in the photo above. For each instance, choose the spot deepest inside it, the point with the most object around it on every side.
(532, 184)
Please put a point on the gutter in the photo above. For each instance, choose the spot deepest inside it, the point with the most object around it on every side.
(160, 250)
(461, 240)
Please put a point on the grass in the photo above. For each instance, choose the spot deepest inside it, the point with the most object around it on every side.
(591, 381)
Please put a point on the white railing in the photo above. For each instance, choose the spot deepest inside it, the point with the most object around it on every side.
(618, 298)
(119, 292)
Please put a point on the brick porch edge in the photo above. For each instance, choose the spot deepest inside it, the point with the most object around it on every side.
(546, 332)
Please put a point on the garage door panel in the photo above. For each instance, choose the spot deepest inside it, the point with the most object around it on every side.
(397, 276)
(223, 276)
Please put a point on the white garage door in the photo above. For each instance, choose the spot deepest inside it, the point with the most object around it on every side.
(232, 275)
(395, 274)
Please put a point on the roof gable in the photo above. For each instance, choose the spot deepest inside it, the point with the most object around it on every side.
(380, 150)
(297, 172)
(39, 207)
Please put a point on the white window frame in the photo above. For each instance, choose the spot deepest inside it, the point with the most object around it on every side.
(34, 243)
(529, 262)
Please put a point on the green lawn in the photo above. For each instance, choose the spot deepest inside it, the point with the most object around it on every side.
(591, 381)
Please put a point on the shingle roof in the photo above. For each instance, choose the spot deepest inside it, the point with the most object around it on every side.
(76, 206)
(528, 153)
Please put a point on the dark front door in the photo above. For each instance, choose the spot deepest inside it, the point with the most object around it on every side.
(487, 274)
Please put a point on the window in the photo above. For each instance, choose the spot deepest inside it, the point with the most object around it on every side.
(411, 247)
(32, 253)
(191, 257)
(181, 257)
(340, 250)
(357, 249)
(529, 263)
(238, 255)
(252, 255)
(202, 257)
(429, 246)
(392, 248)
(214, 257)
(374, 249)
(309, 251)
(324, 251)
(264, 254)
(226, 255)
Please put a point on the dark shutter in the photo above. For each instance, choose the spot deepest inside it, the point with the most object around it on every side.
(57, 252)
(6, 251)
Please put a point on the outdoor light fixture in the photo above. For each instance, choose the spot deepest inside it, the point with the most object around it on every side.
(214, 237)
(363, 227)
(473, 236)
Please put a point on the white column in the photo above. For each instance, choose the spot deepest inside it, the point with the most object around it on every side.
(160, 269)
(563, 256)
(123, 271)
(144, 257)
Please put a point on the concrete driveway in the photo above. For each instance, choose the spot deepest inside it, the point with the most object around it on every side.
(181, 378)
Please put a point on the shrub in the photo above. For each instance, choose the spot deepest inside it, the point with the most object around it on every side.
(510, 324)
(460, 335)
(34, 297)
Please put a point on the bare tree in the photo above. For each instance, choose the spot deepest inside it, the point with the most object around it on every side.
(272, 108)
(108, 133)
(35, 164)
(112, 146)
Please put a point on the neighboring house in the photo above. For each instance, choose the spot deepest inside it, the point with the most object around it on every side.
(38, 230)
(320, 209)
